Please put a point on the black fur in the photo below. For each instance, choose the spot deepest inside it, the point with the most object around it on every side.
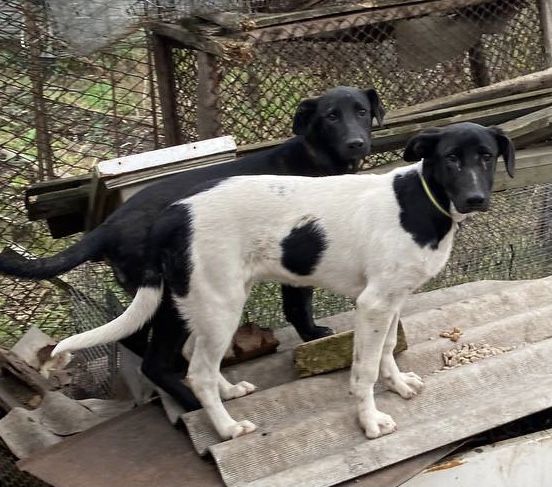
(303, 248)
(419, 217)
(174, 231)
(297, 303)
(321, 147)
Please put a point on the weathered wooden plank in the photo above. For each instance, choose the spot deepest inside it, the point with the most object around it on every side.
(145, 450)
(241, 22)
(395, 138)
(531, 128)
(535, 168)
(219, 46)
(208, 80)
(522, 84)
(545, 10)
(164, 157)
(331, 353)
(393, 120)
(64, 202)
(335, 23)
(164, 70)
(478, 65)
(57, 184)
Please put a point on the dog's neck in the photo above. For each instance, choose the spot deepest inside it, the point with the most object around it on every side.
(440, 195)
(418, 214)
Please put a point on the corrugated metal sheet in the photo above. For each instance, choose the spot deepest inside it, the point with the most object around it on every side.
(308, 435)
(515, 462)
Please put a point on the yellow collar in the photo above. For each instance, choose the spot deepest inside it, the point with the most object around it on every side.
(432, 198)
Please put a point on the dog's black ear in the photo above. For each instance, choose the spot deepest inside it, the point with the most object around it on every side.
(421, 145)
(506, 149)
(303, 115)
(378, 110)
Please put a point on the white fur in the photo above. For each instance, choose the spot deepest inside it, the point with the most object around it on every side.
(142, 308)
(238, 227)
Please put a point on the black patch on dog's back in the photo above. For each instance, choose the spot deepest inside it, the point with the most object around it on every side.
(303, 247)
(171, 241)
(418, 216)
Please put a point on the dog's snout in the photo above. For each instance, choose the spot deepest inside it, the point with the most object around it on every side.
(356, 143)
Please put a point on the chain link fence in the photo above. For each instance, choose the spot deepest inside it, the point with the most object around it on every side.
(408, 58)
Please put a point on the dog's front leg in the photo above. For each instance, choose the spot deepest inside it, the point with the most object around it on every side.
(406, 384)
(374, 317)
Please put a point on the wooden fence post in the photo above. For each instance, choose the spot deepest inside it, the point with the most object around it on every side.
(164, 69)
(208, 80)
(545, 9)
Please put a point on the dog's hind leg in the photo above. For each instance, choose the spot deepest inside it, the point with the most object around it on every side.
(163, 362)
(406, 384)
(297, 302)
(213, 322)
(227, 390)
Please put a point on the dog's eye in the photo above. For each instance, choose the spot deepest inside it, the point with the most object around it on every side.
(362, 112)
(332, 116)
(486, 157)
(452, 158)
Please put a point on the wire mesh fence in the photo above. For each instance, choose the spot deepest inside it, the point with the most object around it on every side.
(410, 54)
(62, 111)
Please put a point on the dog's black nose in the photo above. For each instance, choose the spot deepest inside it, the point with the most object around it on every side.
(476, 200)
(357, 143)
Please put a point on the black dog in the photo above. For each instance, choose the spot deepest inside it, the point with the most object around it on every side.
(333, 134)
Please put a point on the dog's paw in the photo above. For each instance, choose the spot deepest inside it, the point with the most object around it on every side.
(376, 424)
(239, 428)
(406, 384)
(237, 390)
(316, 332)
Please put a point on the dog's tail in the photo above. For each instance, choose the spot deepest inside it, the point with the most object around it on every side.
(143, 307)
(90, 247)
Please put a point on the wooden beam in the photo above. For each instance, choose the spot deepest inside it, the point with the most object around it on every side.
(242, 22)
(545, 10)
(533, 166)
(203, 39)
(393, 120)
(531, 128)
(478, 65)
(335, 23)
(208, 80)
(395, 138)
(164, 69)
(63, 202)
(530, 82)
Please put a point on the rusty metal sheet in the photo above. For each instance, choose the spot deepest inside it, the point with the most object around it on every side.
(138, 449)
(119, 453)
(396, 475)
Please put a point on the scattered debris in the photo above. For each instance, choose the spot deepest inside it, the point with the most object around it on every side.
(470, 353)
(453, 335)
(250, 341)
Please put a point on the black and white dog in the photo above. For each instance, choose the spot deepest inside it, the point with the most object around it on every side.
(374, 238)
(333, 134)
